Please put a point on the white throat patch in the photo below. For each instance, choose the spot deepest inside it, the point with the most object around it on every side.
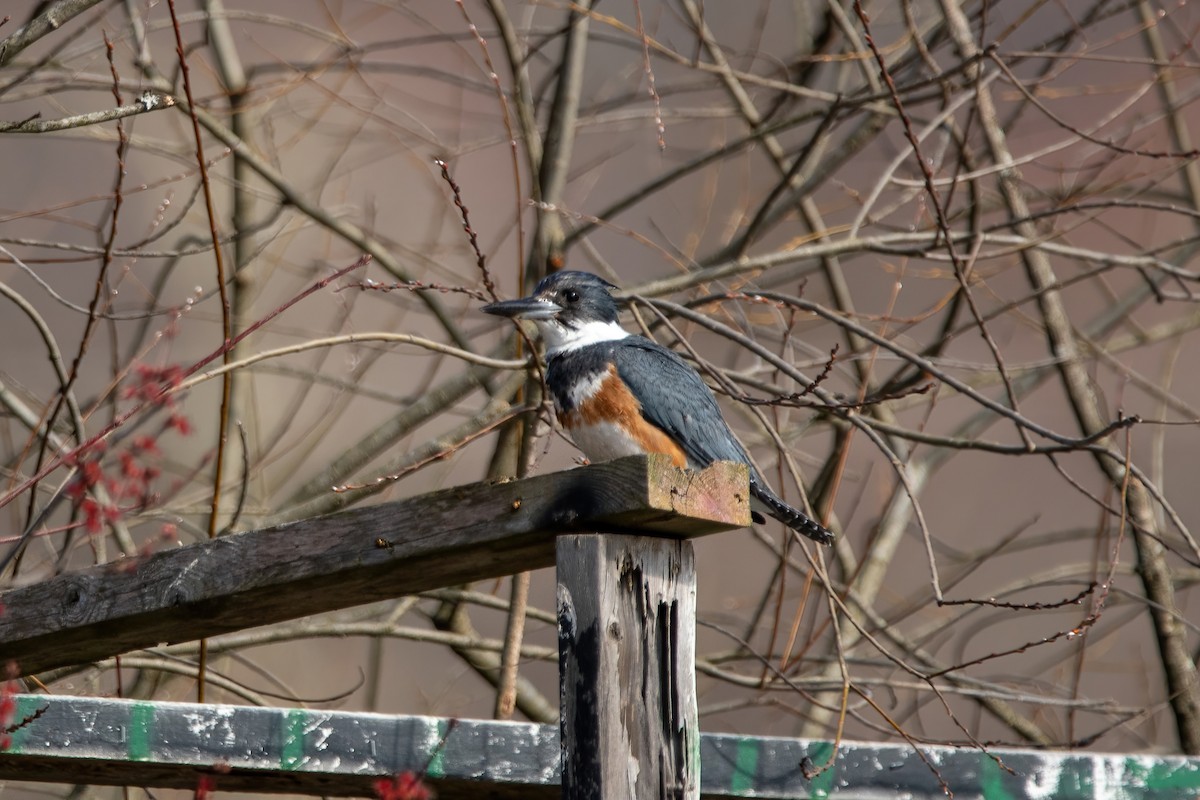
(561, 339)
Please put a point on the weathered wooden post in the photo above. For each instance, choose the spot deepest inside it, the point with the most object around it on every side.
(627, 667)
(627, 648)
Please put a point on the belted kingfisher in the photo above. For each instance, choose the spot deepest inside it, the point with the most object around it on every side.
(619, 394)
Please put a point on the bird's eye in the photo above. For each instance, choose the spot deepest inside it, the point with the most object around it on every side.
(571, 295)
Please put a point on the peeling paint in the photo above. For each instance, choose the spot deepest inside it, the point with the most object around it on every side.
(122, 737)
(1043, 782)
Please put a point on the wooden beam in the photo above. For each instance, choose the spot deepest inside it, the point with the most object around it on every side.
(468, 533)
(627, 668)
(93, 740)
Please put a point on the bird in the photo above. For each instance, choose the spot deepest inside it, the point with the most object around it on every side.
(619, 394)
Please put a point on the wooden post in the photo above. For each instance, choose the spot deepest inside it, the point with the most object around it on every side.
(627, 668)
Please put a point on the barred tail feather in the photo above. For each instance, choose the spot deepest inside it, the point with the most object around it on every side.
(795, 519)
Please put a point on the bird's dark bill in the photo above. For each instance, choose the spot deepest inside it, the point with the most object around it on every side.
(525, 308)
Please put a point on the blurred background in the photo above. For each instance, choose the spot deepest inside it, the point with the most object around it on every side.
(937, 260)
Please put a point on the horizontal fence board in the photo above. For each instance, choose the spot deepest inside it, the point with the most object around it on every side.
(468, 533)
(305, 751)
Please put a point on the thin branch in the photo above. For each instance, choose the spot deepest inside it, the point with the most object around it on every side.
(53, 17)
(149, 101)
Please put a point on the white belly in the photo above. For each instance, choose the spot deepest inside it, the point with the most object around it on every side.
(604, 441)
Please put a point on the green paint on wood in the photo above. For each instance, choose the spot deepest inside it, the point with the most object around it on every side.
(991, 779)
(821, 784)
(140, 733)
(1158, 776)
(27, 706)
(291, 755)
(1137, 774)
(745, 766)
(437, 760)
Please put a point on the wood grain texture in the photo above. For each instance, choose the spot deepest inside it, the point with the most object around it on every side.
(467, 533)
(627, 668)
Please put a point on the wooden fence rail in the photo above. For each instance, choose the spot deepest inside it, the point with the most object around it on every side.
(468, 533)
(305, 751)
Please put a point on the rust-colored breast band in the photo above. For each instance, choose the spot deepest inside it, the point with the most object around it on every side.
(614, 403)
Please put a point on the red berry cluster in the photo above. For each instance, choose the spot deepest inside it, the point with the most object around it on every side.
(405, 786)
(8, 705)
(152, 386)
(129, 487)
(205, 785)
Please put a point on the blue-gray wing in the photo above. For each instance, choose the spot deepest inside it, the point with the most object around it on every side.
(675, 399)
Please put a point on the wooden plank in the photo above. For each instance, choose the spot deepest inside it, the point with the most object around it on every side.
(314, 752)
(627, 667)
(468, 533)
(172, 745)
